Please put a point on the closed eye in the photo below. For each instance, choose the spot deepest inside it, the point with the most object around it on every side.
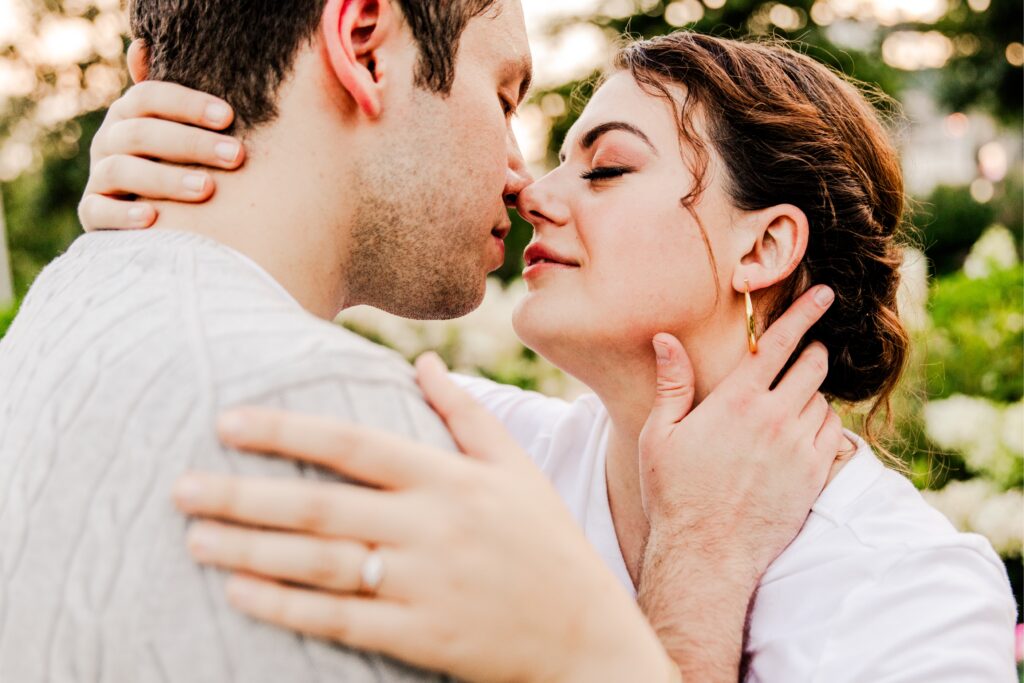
(605, 173)
(508, 107)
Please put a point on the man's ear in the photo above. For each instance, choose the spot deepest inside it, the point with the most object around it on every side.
(353, 32)
(777, 241)
(138, 60)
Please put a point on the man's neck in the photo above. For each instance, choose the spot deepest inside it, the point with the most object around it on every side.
(275, 210)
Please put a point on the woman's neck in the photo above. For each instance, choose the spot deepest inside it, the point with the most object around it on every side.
(627, 389)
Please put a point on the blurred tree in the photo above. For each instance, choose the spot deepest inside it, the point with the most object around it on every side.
(59, 60)
(782, 19)
(985, 71)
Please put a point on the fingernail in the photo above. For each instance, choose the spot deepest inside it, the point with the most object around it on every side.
(188, 491)
(195, 182)
(240, 590)
(231, 425)
(202, 540)
(138, 214)
(227, 151)
(662, 352)
(824, 296)
(217, 113)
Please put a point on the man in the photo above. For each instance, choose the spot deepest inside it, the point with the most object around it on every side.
(382, 162)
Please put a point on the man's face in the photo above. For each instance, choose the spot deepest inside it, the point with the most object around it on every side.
(431, 213)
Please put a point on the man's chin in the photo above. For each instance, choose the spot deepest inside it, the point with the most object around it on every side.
(446, 301)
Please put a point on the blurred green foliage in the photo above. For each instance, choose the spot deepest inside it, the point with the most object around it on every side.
(948, 222)
(6, 318)
(41, 205)
(975, 345)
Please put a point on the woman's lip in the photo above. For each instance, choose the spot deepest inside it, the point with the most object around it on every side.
(539, 267)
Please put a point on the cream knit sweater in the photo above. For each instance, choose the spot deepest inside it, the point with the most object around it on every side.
(125, 351)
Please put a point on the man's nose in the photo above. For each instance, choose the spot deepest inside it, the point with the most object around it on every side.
(517, 175)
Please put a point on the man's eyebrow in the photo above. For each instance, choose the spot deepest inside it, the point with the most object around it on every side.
(595, 133)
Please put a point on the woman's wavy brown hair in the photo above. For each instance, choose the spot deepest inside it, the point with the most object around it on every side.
(790, 131)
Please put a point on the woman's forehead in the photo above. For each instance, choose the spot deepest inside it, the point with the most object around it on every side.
(621, 99)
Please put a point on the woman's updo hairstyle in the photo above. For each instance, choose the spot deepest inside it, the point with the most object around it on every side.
(790, 131)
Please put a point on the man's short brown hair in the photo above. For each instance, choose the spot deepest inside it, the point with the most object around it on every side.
(242, 52)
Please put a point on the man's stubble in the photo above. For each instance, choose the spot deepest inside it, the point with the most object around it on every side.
(417, 243)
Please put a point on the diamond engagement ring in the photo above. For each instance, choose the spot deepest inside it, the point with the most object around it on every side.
(372, 573)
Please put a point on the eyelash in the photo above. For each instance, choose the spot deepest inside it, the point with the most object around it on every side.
(508, 108)
(605, 173)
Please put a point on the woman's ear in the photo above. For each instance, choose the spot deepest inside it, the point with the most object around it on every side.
(138, 60)
(353, 32)
(777, 243)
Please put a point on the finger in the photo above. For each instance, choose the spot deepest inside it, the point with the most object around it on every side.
(328, 564)
(173, 102)
(169, 141)
(804, 377)
(477, 432)
(828, 443)
(124, 174)
(780, 340)
(97, 212)
(675, 382)
(815, 411)
(321, 508)
(362, 623)
(368, 455)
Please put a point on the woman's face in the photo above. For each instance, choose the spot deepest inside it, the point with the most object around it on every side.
(616, 257)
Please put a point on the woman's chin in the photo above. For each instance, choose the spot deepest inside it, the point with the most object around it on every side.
(538, 321)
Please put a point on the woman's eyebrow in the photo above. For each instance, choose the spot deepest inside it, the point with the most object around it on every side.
(595, 133)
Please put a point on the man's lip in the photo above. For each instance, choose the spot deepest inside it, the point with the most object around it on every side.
(538, 252)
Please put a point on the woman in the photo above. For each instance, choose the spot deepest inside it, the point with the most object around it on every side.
(707, 184)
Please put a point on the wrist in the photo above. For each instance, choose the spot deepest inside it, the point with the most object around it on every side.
(707, 559)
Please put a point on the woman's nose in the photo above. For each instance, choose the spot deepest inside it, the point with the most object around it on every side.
(539, 204)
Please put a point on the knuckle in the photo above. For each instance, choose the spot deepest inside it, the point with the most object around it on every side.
(140, 95)
(315, 514)
(229, 497)
(104, 173)
(819, 359)
(195, 145)
(128, 134)
(782, 341)
(88, 210)
(324, 567)
(741, 402)
(341, 627)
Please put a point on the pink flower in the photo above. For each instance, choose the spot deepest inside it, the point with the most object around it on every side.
(1020, 643)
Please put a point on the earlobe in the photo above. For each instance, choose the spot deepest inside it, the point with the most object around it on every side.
(353, 32)
(138, 60)
(778, 243)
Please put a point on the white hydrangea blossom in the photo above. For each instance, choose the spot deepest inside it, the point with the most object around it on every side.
(912, 297)
(995, 250)
(989, 436)
(480, 341)
(978, 506)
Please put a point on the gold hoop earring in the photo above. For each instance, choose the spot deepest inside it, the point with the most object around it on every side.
(751, 328)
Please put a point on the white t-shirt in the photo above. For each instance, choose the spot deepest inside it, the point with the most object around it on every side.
(878, 587)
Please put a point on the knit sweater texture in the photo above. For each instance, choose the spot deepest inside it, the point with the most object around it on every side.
(125, 351)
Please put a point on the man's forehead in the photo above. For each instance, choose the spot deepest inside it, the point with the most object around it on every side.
(506, 27)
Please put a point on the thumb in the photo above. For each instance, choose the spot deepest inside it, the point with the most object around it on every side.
(477, 432)
(675, 388)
